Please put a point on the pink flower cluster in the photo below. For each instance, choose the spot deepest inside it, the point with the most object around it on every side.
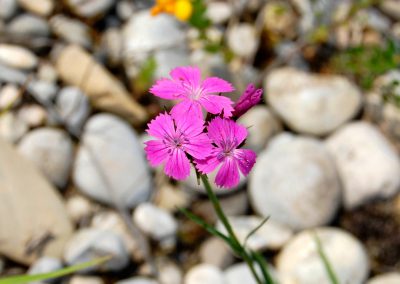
(183, 136)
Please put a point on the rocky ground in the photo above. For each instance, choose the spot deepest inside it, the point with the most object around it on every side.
(74, 182)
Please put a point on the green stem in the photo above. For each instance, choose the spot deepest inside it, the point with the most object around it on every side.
(221, 215)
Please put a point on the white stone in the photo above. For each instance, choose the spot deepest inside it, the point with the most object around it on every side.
(11, 127)
(86, 280)
(11, 75)
(311, 104)
(71, 30)
(242, 39)
(33, 219)
(45, 265)
(219, 12)
(73, 107)
(79, 208)
(113, 44)
(90, 9)
(216, 252)
(144, 33)
(10, 96)
(112, 221)
(40, 7)
(8, 8)
(51, 151)
(204, 273)
(168, 59)
(32, 115)
(88, 244)
(299, 261)
(17, 57)
(169, 273)
(367, 164)
(295, 182)
(156, 222)
(43, 91)
(261, 124)
(388, 278)
(240, 273)
(271, 235)
(137, 280)
(29, 25)
(110, 149)
(47, 72)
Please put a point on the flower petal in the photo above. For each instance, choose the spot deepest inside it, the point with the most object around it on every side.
(245, 159)
(177, 165)
(228, 174)
(156, 152)
(209, 164)
(199, 146)
(214, 85)
(224, 131)
(215, 104)
(162, 126)
(187, 108)
(168, 89)
(188, 75)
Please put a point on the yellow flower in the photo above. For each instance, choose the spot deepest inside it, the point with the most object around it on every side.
(181, 9)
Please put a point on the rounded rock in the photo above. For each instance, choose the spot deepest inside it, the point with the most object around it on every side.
(8, 9)
(240, 273)
(86, 280)
(138, 280)
(295, 182)
(204, 273)
(71, 30)
(242, 39)
(89, 9)
(367, 163)
(32, 115)
(10, 96)
(261, 125)
(88, 244)
(299, 261)
(51, 151)
(111, 146)
(388, 278)
(154, 221)
(12, 128)
(17, 57)
(144, 33)
(312, 104)
(73, 107)
(39, 7)
(45, 265)
(29, 25)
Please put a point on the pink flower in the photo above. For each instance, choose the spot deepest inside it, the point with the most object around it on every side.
(187, 87)
(227, 135)
(174, 139)
(247, 100)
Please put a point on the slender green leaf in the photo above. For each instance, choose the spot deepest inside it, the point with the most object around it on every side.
(263, 266)
(204, 225)
(22, 279)
(328, 267)
(252, 232)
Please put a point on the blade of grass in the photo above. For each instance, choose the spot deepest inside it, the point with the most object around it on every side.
(22, 279)
(263, 266)
(252, 232)
(328, 267)
(203, 224)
